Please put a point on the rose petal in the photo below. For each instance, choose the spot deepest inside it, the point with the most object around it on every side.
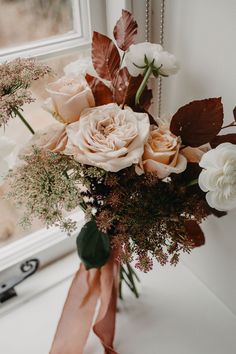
(161, 170)
(52, 138)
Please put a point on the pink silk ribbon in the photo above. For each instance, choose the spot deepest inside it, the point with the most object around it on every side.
(77, 316)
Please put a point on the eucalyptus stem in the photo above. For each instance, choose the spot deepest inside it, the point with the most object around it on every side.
(22, 118)
(143, 83)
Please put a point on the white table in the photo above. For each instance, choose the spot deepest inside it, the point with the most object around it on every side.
(176, 313)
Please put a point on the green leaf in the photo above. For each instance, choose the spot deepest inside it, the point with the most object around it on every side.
(93, 246)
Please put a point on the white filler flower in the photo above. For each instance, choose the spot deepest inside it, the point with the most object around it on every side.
(6, 148)
(143, 54)
(218, 177)
(149, 60)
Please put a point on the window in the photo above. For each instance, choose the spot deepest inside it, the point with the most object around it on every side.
(53, 27)
(48, 18)
(36, 33)
(30, 28)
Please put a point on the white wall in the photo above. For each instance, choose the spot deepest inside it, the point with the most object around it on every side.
(202, 35)
(114, 10)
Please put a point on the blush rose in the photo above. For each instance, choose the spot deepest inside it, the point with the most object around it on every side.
(162, 154)
(53, 138)
(108, 137)
(69, 96)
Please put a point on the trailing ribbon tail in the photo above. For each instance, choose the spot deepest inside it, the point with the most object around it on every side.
(104, 326)
(77, 316)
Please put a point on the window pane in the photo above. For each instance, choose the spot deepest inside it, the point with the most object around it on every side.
(24, 21)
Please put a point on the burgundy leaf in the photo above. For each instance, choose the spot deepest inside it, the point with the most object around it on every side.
(217, 213)
(151, 119)
(125, 30)
(195, 233)
(146, 99)
(234, 112)
(191, 173)
(198, 122)
(125, 87)
(220, 139)
(105, 56)
(139, 109)
(102, 93)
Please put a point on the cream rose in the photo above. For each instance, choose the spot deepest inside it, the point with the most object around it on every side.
(161, 154)
(218, 177)
(108, 137)
(53, 138)
(69, 96)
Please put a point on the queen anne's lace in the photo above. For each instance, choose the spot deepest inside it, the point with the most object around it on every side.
(15, 79)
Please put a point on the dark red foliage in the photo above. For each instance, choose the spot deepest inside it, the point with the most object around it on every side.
(125, 87)
(227, 138)
(125, 30)
(105, 56)
(198, 122)
(146, 99)
(191, 173)
(102, 93)
(195, 233)
(217, 213)
(234, 113)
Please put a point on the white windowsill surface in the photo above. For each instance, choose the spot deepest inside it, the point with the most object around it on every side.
(176, 313)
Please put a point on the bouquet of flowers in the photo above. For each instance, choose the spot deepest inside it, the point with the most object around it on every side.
(144, 182)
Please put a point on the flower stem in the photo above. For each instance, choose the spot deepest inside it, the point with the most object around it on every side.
(143, 84)
(18, 113)
(131, 278)
(122, 59)
(192, 183)
(128, 275)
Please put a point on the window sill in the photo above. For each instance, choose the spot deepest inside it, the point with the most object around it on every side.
(46, 244)
(173, 303)
(42, 281)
